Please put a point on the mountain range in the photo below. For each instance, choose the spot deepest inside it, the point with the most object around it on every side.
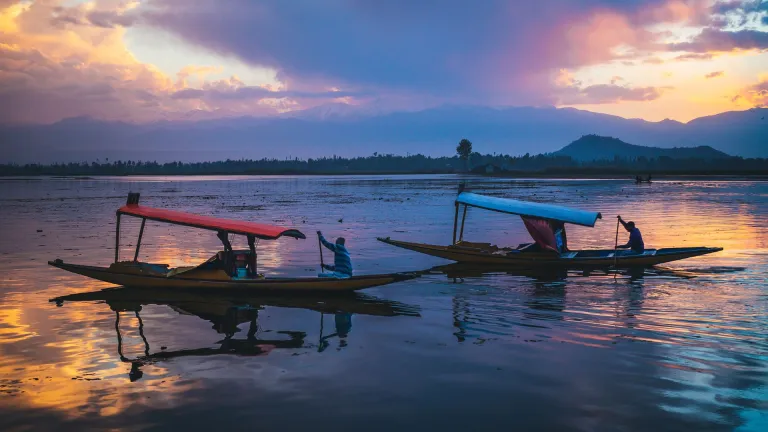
(335, 130)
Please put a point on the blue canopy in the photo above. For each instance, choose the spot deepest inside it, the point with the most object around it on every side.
(530, 209)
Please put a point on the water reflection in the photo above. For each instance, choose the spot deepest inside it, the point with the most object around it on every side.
(681, 348)
(228, 313)
(542, 294)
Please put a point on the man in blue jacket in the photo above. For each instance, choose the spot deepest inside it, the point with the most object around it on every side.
(342, 262)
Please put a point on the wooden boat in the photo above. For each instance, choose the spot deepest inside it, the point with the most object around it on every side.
(226, 270)
(539, 219)
(542, 274)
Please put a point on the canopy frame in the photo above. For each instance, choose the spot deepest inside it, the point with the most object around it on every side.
(252, 237)
(520, 208)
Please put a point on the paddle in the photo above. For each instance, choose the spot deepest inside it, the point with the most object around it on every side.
(616, 247)
(320, 243)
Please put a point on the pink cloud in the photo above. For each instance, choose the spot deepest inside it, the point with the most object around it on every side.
(495, 52)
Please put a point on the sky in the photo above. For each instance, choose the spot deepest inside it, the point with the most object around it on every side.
(149, 60)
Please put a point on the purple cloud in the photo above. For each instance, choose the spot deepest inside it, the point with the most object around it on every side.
(719, 40)
(481, 50)
(714, 74)
(109, 19)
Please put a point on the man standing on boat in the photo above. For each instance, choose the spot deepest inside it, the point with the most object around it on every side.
(635, 242)
(342, 262)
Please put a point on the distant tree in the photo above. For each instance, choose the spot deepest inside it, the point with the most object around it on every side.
(464, 150)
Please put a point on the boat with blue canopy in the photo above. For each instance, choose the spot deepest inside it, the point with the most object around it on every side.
(546, 224)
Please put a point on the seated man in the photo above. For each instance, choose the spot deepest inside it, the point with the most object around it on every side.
(558, 228)
(342, 267)
(635, 242)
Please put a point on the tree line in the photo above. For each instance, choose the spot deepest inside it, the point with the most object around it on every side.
(465, 160)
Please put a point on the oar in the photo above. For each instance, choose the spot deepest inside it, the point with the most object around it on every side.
(615, 249)
(322, 264)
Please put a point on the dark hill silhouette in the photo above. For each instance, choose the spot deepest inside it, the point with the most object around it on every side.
(595, 147)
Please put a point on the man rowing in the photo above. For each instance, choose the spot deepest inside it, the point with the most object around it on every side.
(635, 242)
(342, 262)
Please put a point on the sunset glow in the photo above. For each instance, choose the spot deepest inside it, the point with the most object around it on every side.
(150, 60)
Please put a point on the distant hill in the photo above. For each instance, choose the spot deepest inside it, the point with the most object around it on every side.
(344, 131)
(595, 147)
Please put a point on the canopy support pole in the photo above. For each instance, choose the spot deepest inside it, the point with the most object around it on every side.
(455, 223)
(463, 218)
(138, 243)
(253, 257)
(117, 238)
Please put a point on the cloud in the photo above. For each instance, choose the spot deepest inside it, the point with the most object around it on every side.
(66, 56)
(755, 95)
(110, 19)
(738, 13)
(608, 94)
(723, 41)
(494, 50)
(694, 56)
(216, 92)
(714, 74)
(54, 63)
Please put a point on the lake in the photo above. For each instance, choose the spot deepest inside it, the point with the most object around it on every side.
(683, 347)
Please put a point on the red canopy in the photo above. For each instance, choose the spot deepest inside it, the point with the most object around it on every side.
(541, 232)
(262, 231)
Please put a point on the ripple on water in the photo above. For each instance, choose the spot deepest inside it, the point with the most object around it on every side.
(679, 348)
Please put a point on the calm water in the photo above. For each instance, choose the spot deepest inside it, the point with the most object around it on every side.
(679, 348)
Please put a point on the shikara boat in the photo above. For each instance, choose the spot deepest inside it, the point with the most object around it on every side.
(540, 220)
(226, 270)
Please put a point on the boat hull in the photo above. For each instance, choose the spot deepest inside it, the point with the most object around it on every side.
(480, 255)
(313, 284)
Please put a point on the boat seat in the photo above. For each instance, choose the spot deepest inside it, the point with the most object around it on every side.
(647, 252)
(485, 247)
(568, 254)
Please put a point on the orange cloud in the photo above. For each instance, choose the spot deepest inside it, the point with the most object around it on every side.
(714, 74)
(755, 95)
(55, 62)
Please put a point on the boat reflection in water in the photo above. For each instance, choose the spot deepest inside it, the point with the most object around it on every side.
(459, 271)
(541, 301)
(228, 312)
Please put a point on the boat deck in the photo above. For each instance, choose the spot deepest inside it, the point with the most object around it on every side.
(529, 255)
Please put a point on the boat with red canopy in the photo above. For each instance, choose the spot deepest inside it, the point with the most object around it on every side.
(546, 225)
(227, 269)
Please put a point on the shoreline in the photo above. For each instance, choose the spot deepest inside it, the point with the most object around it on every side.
(516, 175)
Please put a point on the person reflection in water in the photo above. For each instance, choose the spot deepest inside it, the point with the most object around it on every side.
(343, 322)
(342, 267)
(635, 243)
